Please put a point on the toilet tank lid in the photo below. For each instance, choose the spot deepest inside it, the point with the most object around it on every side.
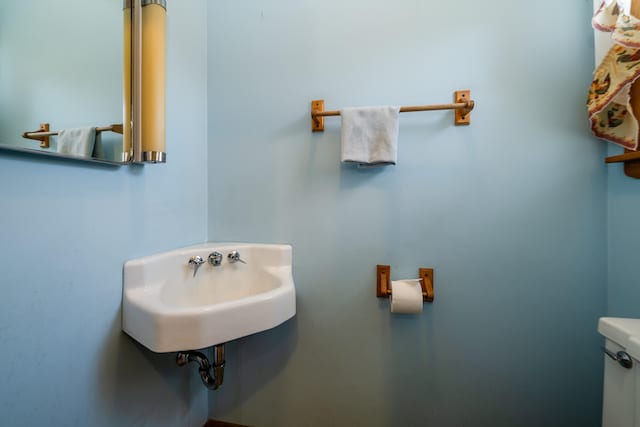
(623, 331)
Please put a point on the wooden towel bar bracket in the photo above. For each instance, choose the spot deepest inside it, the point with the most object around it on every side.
(383, 285)
(37, 135)
(463, 104)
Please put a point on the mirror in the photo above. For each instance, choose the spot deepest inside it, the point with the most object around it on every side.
(61, 64)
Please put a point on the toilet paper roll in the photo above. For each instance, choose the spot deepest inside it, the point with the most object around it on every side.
(406, 296)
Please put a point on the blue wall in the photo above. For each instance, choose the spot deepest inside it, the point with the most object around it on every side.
(509, 211)
(623, 285)
(66, 229)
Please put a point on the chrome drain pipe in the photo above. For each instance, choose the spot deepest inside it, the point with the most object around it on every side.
(212, 382)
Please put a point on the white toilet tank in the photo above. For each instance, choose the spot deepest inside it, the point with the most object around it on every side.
(621, 400)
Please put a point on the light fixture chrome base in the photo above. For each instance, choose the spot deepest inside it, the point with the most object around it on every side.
(126, 157)
(154, 157)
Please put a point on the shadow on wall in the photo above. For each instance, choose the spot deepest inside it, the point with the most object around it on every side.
(139, 387)
(410, 376)
(251, 363)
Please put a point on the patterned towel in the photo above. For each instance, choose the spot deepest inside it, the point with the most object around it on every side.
(610, 111)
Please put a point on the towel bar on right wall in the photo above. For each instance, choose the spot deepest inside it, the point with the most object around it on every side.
(463, 104)
(631, 160)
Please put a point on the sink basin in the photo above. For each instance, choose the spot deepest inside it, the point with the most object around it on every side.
(166, 308)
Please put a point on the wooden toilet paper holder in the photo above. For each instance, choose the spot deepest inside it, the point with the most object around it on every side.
(383, 286)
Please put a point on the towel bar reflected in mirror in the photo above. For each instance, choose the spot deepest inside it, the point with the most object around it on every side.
(43, 133)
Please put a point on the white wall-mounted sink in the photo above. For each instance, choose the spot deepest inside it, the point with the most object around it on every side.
(166, 308)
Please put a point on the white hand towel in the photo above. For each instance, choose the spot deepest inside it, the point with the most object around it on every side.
(370, 135)
(77, 142)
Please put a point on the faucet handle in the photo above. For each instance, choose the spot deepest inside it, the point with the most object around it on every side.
(234, 256)
(196, 262)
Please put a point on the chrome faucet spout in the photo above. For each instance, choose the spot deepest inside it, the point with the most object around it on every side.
(215, 258)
